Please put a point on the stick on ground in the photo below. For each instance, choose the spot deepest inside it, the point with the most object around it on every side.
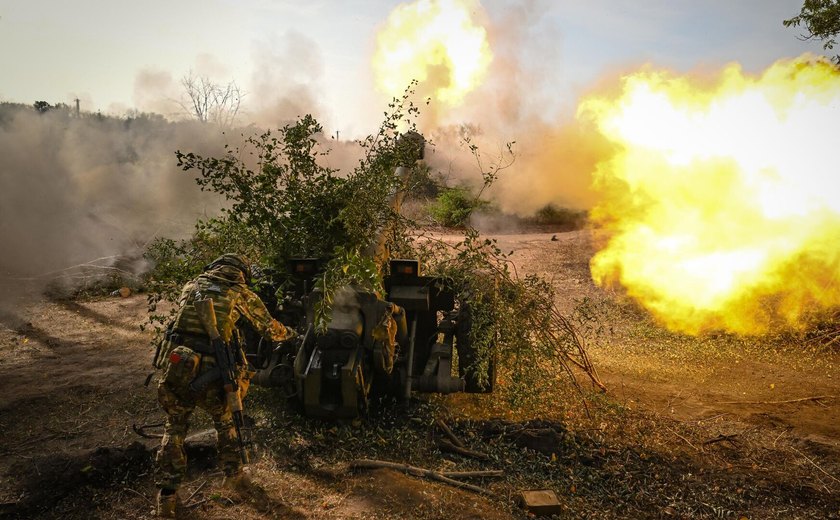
(683, 439)
(449, 433)
(445, 445)
(495, 473)
(787, 401)
(721, 438)
(141, 430)
(824, 472)
(196, 491)
(419, 472)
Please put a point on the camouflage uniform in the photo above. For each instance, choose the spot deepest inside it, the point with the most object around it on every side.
(188, 356)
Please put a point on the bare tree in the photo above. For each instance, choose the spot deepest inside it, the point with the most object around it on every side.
(211, 102)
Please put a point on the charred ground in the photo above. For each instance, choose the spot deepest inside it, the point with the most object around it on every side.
(710, 427)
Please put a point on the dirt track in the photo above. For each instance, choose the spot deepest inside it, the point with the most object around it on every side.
(72, 385)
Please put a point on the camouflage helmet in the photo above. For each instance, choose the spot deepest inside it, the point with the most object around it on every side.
(238, 261)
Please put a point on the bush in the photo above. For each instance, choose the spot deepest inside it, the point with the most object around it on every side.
(288, 205)
(515, 322)
(454, 206)
(551, 214)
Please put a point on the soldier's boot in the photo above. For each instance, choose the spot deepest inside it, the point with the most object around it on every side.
(167, 503)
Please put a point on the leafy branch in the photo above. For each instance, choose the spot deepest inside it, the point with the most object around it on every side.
(821, 18)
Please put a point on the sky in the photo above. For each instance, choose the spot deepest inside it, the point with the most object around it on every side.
(115, 55)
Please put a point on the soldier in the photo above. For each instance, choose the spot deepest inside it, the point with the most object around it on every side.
(190, 354)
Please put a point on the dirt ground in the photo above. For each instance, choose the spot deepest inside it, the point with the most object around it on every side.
(710, 427)
(689, 378)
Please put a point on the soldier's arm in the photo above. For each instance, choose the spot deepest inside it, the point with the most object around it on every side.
(251, 307)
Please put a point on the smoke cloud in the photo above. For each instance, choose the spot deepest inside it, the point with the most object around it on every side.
(555, 155)
(84, 190)
(157, 92)
(89, 189)
(93, 189)
(282, 85)
(285, 81)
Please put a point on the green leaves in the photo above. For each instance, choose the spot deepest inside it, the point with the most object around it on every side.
(453, 207)
(514, 320)
(348, 267)
(822, 19)
(283, 204)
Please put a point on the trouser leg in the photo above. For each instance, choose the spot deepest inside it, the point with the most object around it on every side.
(229, 456)
(214, 402)
(171, 459)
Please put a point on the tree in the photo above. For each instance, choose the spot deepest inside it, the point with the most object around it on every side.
(822, 20)
(211, 102)
(41, 106)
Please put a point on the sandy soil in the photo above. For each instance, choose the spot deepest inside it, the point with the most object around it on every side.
(71, 387)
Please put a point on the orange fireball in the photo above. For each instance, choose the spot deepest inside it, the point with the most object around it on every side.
(436, 42)
(722, 200)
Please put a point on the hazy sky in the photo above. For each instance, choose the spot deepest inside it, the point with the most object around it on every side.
(96, 49)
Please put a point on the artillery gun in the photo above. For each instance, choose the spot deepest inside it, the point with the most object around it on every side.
(374, 345)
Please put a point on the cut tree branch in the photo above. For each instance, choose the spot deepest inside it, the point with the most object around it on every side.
(418, 472)
(490, 473)
(449, 433)
(787, 401)
(445, 445)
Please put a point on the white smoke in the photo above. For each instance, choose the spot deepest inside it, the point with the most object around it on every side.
(554, 156)
(77, 190)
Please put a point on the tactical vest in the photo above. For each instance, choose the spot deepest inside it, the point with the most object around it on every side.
(222, 294)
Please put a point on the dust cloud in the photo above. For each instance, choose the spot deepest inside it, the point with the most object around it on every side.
(83, 196)
(283, 84)
(90, 191)
(285, 81)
